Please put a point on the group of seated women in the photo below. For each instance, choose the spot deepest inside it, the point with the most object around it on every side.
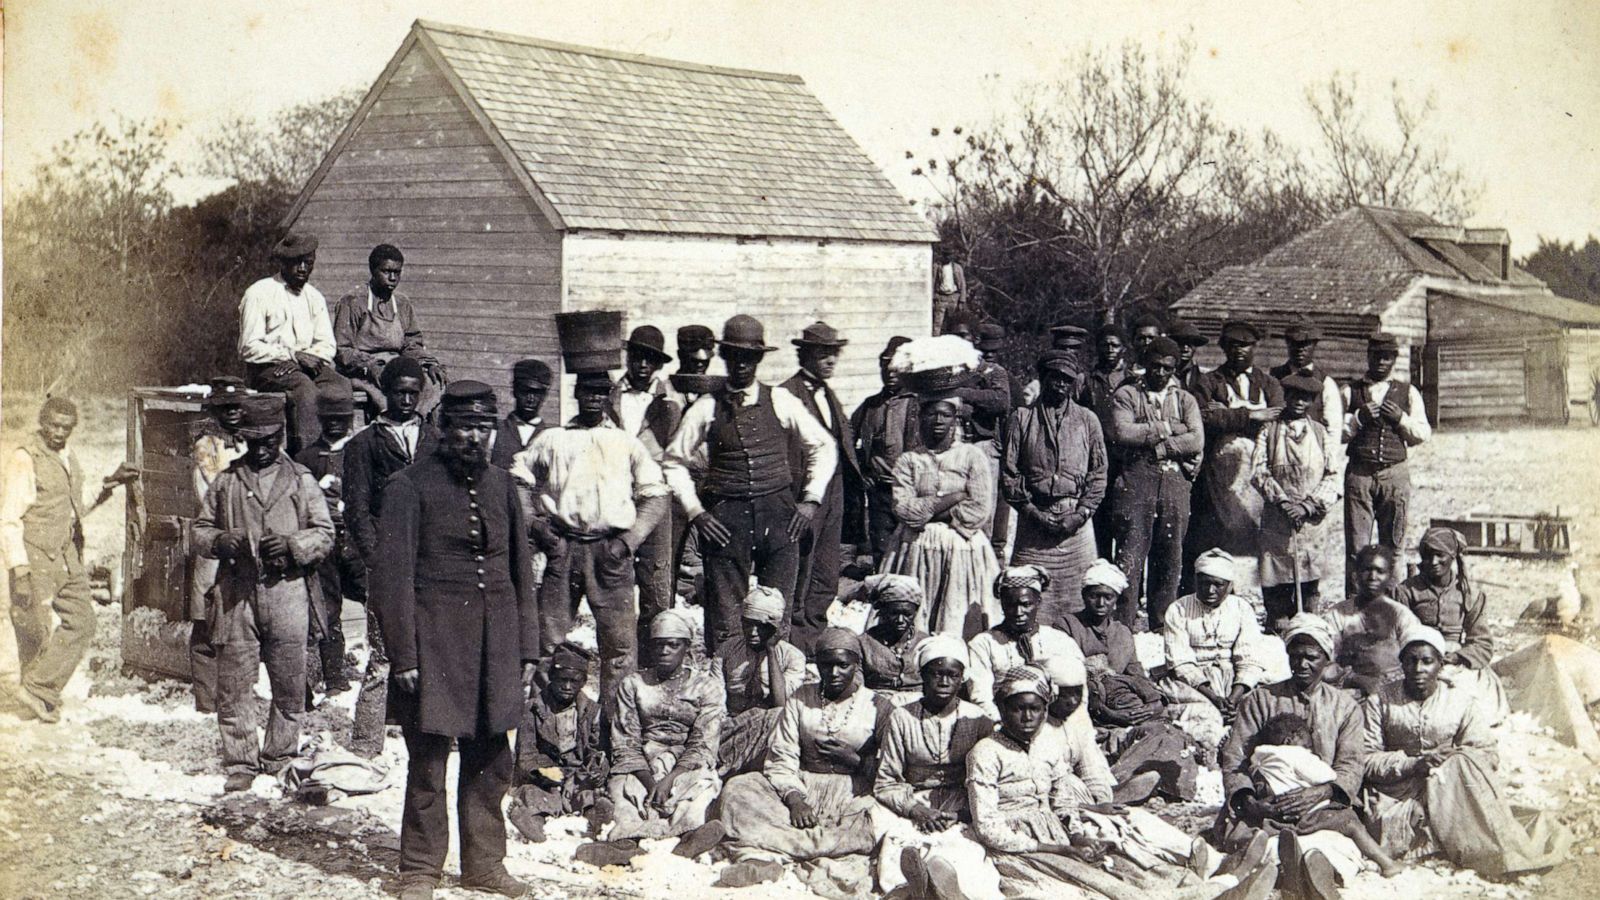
(1016, 763)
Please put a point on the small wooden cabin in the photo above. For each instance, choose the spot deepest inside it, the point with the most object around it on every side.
(523, 178)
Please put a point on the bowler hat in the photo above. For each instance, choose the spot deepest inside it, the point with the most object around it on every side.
(744, 332)
(649, 340)
(1304, 384)
(819, 334)
(226, 390)
(991, 336)
(696, 341)
(1381, 341)
(1240, 330)
(335, 399)
(294, 246)
(469, 399)
(1302, 331)
(263, 415)
(531, 373)
(1184, 332)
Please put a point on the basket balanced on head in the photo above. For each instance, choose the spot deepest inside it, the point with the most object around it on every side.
(591, 341)
(930, 365)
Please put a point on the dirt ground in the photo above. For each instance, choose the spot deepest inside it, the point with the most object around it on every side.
(122, 798)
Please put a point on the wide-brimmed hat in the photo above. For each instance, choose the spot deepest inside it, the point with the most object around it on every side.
(649, 340)
(744, 332)
(819, 334)
(263, 415)
(294, 246)
(991, 336)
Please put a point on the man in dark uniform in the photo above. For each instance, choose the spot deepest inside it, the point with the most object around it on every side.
(342, 572)
(749, 520)
(530, 382)
(817, 578)
(1189, 339)
(456, 600)
(883, 426)
(1301, 337)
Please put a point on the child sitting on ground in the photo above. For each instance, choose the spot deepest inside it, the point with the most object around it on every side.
(1282, 762)
(561, 766)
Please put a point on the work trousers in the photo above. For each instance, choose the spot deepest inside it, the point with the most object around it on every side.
(202, 667)
(48, 656)
(576, 570)
(342, 575)
(481, 785)
(1104, 521)
(372, 701)
(1150, 516)
(817, 573)
(249, 632)
(304, 426)
(1375, 495)
(759, 545)
(652, 571)
(1000, 524)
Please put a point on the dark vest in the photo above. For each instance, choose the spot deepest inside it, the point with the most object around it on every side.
(748, 449)
(53, 519)
(1379, 442)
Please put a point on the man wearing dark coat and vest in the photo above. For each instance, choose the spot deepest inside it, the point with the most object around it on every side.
(530, 383)
(817, 577)
(745, 506)
(456, 601)
(1384, 419)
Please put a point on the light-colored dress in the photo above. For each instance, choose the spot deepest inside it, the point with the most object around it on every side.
(991, 654)
(660, 724)
(1213, 646)
(1292, 462)
(954, 560)
(1459, 806)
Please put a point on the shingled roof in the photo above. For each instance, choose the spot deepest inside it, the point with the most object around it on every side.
(620, 142)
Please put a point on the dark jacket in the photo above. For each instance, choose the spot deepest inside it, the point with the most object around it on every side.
(1227, 422)
(508, 443)
(455, 597)
(661, 417)
(849, 466)
(989, 394)
(537, 744)
(369, 459)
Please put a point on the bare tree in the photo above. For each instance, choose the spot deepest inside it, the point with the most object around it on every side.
(272, 159)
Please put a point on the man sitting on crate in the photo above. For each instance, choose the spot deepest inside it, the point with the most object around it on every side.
(266, 520)
(375, 323)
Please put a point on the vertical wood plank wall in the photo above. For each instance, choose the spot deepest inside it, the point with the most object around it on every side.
(483, 266)
(869, 291)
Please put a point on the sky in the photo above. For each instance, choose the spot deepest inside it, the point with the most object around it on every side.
(1517, 85)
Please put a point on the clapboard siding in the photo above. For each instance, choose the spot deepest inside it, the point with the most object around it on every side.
(483, 265)
(1482, 380)
(869, 291)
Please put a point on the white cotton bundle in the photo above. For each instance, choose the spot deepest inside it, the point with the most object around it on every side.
(928, 354)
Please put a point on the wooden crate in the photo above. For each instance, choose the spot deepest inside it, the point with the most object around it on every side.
(1542, 536)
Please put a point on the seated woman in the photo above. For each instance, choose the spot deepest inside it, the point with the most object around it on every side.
(561, 763)
(1019, 639)
(813, 798)
(944, 494)
(888, 647)
(664, 750)
(1367, 626)
(1150, 755)
(758, 674)
(1430, 772)
(922, 769)
(1313, 858)
(1441, 597)
(1211, 638)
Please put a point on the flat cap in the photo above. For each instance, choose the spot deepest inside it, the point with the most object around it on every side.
(1381, 341)
(335, 399)
(1240, 330)
(1060, 360)
(263, 415)
(531, 373)
(1303, 384)
(1184, 332)
(1302, 331)
(295, 245)
(226, 390)
(467, 398)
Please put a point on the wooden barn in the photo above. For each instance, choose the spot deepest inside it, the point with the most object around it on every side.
(524, 178)
(1483, 340)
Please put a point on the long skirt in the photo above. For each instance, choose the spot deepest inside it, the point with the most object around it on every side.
(745, 737)
(956, 846)
(957, 572)
(1488, 693)
(1064, 559)
(758, 821)
(1231, 834)
(1192, 712)
(692, 794)
(1461, 807)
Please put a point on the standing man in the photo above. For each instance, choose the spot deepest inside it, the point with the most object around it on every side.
(695, 345)
(949, 288)
(598, 496)
(1385, 419)
(1054, 473)
(688, 384)
(1301, 338)
(393, 441)
(342, 573)
(456, 601)
(884, 426)
(745, 506)
(1145, 329)
(817, 578)
(266, 520)
(375, 323)
(989, 423)
(1189, 339)
(42, 506)
(530, 383)
(1064, 336)
(214, 451)
(1110, 371)
(641, 405)
(286, 338)
(1158, 435)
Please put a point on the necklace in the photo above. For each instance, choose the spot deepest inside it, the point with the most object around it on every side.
(836, 714)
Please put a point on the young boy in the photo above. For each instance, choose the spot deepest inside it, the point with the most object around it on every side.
(215, 448)
(1282, 762)
(561, 769)
(341, 573)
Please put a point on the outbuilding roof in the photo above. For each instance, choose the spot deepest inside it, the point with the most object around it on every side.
(620, 142)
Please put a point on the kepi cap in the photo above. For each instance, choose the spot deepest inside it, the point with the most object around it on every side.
(1302, 331)
(531, 373)
(991, 336)
(1059, 360)
(469, 399)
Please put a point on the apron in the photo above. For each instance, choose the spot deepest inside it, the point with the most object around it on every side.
(1234, 500)
(1298, 464)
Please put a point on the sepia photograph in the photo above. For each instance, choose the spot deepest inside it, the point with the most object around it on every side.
(917, 449)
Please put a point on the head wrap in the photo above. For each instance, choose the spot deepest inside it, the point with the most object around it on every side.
(940, 646)
(1105, 573)
(1314, 627)
(834, 638)
(882, 590)
(1442, 542)
(568, 655)
(764, 604)
(671, 624)
(1064, 671)
(400, 367)
(1022, 576)
(1023, 680)
(1217, 563)
(1419, 633)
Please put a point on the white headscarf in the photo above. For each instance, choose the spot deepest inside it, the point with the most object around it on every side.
(1105, 573)
(941, 646)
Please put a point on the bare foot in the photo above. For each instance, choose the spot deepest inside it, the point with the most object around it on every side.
(1390, 870)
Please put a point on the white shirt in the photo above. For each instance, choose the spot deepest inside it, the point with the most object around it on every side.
(819, 397)
(18, 492)
(406, 433)
(632, 405)
(688, 450)
(588, 478)
(1413, 425)
(275, 324)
